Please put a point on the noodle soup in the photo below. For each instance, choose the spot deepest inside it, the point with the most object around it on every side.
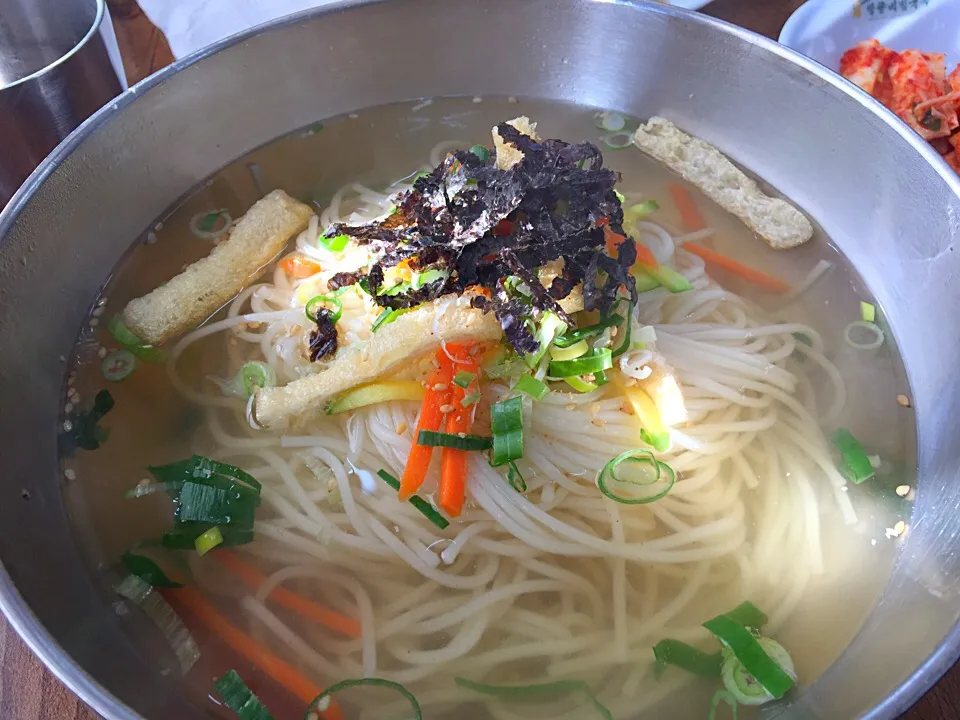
(546, 580)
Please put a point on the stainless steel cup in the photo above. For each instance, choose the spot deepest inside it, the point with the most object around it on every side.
(55, 71)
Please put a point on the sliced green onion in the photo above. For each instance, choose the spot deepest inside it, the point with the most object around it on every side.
(253, 374)
(419, 503)
(202, 224)
(748, 615)
(184, 536)
(529, 385)
(722, 696)
(600, 378)
(481, 152)
(618, 140)
(873, 335)
(428, 276)
(644, 281)
(216, 500)
(515, 478)
(239, 698)
(388, 316)
(148, 571)
(375, 393)
(118, 365)
(575, 336)
(612, 121)
(743, 685)
(506, 423)
(328, 300)
(164, 617)
(538, 690)
(627, 330)
(208, 540)
(471, 398)
(686, 657)
(596, 360)
(322, 701)
(580, 385)
(868, 313)
(430, 438)
(151, 488)
(857, 466)
(550, 327)
(748, 651)
(647, 335)
(569, 352)
(335, 244)
(668, 277)
(642, 210)
(464, 379)
(619, 194)
(197, 467)
(639, 489)
(125, 336)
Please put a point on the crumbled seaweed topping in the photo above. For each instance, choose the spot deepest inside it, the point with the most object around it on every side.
(493, 229)
(323, 340)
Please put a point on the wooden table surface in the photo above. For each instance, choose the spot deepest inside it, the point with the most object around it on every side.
(29, 692)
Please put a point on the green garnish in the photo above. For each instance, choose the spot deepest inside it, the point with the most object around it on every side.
(129, 341)
(856, 464)
(596, 360)
(686, 657)
(148, 571)
(239, 698)
(481, 152)
(550, 327)
(868, 312)
(208, 541)
(329, 300)
(537, 690)
(118, 365)
(722, 696)
(464, 379)
(515, 478)
(322, 701)
(650, 481)
(471, 398)
(430, 438)
(335, 244)
(506, 424)
(641, 210)
(529, 385)
(418, 502)
(747, 650)
(387, 316)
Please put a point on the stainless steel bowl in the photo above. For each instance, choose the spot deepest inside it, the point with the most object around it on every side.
(881, 193)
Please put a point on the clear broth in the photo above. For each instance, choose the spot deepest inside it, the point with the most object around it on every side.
(152, 424)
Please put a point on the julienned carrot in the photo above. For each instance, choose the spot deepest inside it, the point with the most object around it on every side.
(298, 266)
(755, 276)
(254, 579)
(438, 393)
(281, 672)
(644, 256)
(690, 216)
(453, 466)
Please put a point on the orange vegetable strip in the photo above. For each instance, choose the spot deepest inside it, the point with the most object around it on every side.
(298, 266)
(453, 467)
(276, 669)
(644, 256)
(431, 418)
(254, 579)
(690, 216)
(757, 277)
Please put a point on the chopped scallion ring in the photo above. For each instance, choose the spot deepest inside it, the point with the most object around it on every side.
(636, 477)
(862, 335)
(643, 209)
(118, 365)
(464, 379)
(253, 374)
(388, 316)
(335, 244)
(515, 478)
(322, 701)
(742, 646)
(595, 361)
(618, 141)
(857, 465)
(164, 617)
(205, 225)
(580, 385)
(506, 423)
(125, 336)
(148, 570)
(529, 385)
(686, 657)
(238, 697)
(868, 313)
(569, 352)
(208, 540)
(471, 398)
(328, 300)
(722, 696)
(744, 686)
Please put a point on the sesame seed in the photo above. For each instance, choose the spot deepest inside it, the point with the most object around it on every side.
(626, 407)
(570, 406)
(475, 350)
(253, 325)
(512, 100)
(67, 426)
(440, 387)
(598, 422)
(401, 428)
(102, 353)
(903, 401)
(903, 490)
(68, 408)
(461, 434)
(900, 528)
(98, 311)
(446, 409)
(589, 377)
(76, 398)
(478, 99)
(94, 322)
(70, 474)
(594, 408)
(630, 382)
(613, 331)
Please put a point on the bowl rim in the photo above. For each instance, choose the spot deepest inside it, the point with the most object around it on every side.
(42, 643)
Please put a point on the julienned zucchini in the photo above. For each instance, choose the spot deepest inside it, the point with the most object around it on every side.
(374, 393)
